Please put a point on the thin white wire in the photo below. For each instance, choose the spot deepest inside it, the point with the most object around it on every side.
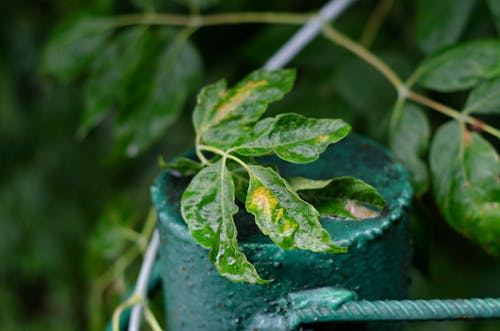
(331, 10)
(292, 47)
(143, 280)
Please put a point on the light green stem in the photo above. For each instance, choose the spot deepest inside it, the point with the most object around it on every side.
(210, 20)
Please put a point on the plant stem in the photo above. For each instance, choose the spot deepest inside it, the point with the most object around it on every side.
(363, 53)
(374, 22)
(461, 117)
(223, 154)
(134, 299)
(213, 19)
(403, 91)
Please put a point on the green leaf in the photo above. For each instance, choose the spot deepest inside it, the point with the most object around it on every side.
(146, 5)
(440, 23)
(461, 67)
(177, 73)
(181, 166)
(281, 214)
(293, 137)
(494, 6)
(409, 140)
(201, 4)
(344, 197)
(111, 71)
(465, 171)
(484, 98)
(208, 207)
(73, 45)
(244, 103)
(301, 183)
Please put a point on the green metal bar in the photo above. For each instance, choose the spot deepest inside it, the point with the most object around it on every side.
(330, 304)
(398, 310)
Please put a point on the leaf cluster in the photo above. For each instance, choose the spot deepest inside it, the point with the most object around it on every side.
(228, 124)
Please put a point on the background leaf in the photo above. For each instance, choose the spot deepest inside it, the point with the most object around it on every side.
(440, 23)
(201, 4)
(461, 67)
(409, 140)
(293, 137)
(177, 73)
(208, 207)
(345, 197)
(73, 45)
(465, 171)
(288, 220)
(111, 71)
(484, 98)
(494, 6)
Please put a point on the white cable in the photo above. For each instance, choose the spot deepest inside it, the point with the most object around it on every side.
(292, 47)
(143, 280)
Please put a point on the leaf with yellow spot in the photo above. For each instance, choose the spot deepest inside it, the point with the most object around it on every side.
(347, 197)
(243, 104)
(281, 214)
(208, 208)
(293, 137)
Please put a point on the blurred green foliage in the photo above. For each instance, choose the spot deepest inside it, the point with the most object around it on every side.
(69, 206)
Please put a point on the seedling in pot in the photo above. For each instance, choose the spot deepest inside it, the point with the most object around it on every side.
(229, 128)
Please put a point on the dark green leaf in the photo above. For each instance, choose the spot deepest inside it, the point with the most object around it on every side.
(461, 67)
(440, 23)
(409, 141)
(208, 207)
(495, 12)
(484, 98)
(244, 103)
(293, 138)
(181, 166)
(344, 196)
(465, 171)
(200, 4)
(146, 5)
(111, 71)
(288, 220)
(74, 44)
(177, 73)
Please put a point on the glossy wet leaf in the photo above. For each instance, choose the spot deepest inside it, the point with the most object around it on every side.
(281, 214)
(465, 170)
(409, 141)
(208, 208)
(111, 71)
(440, 23)
(244, 103)
(344, 197)
(181, 166)
(293, 137)
(73, 45)
(484, 98)
(302, 183)
(494, 6)
(461, 67)
(177, 72)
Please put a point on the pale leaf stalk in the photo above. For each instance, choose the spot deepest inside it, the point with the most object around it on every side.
(375, 22)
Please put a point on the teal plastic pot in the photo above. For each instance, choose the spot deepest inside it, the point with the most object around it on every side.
(375, 267)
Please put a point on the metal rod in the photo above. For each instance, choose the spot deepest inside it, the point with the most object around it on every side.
(292, 47)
